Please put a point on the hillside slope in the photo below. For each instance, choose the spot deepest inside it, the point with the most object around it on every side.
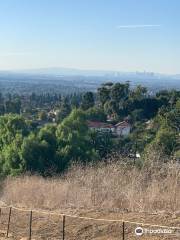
(50, 226)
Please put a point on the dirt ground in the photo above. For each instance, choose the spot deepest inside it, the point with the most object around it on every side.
(49, 227)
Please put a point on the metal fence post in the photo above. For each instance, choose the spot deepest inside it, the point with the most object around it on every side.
(9, 219)
(123, 231)
(63, 229)
(0, 214)
(30, 225)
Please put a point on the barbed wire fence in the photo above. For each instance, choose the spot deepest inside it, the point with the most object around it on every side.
(20, 222)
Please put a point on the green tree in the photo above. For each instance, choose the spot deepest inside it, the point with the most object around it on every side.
(119, 92)
(95, 114)
(11, 160)
(113, 97)
(137, 115)
(13, 106)
(102, 143)
(39, 151)
(138, 93)
(74, 140)
(10, 126)
(63, 111)
(165, 140)
(104, 93)
(87, 100)
(34, 151)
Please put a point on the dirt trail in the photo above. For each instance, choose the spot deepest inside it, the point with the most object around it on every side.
(46, 227)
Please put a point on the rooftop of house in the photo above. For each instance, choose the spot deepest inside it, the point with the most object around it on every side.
(96, 124)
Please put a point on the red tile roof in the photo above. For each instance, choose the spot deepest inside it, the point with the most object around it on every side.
(97, 124)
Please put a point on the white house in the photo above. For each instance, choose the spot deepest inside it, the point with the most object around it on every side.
(101, 126)
(120, 129)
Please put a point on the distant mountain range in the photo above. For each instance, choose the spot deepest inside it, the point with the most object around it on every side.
(69, 78)
(58, 71)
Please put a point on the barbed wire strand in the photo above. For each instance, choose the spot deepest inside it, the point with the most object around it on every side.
(86, 218)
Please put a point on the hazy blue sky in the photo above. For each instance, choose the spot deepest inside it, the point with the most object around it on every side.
(125, 35)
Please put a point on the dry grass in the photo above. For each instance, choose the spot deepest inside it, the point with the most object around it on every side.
(109, 186)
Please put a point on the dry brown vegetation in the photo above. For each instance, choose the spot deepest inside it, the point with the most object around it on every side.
(112, 190)
(108, 186)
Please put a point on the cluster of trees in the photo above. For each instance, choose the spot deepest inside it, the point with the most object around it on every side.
(162, 131)
(50, 149)
(10, 104)
(120, 101)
